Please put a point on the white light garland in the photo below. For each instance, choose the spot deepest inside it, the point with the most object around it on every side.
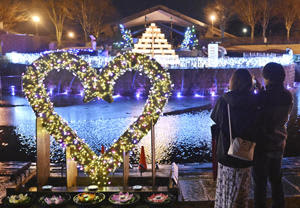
(184, 62)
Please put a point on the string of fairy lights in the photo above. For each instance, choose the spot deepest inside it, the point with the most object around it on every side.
(126, 38)
(101, 87)
(184, 62)
(190, 40)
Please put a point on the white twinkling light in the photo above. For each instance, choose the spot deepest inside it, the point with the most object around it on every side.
(183, 63)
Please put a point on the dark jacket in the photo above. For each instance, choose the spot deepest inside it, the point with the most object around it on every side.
(243, 112)
(276, 104)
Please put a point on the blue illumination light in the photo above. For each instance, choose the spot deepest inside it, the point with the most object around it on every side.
(116, 96)
(66, 92)
(179, 94)
(13, 90)
(51, 91)
(81, 93)
(213, 93)
(198, 95)
(137, 95)
(255, 91)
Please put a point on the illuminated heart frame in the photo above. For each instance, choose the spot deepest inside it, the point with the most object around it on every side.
(101, 87)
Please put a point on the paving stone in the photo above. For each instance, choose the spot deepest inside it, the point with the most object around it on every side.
(209, 187)
(294, 181)
(192, 190)
(289, 189)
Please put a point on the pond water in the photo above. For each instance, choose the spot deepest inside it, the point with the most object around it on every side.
(180, 136)
(182, 133)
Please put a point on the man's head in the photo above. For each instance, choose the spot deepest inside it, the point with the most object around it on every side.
(273, 73)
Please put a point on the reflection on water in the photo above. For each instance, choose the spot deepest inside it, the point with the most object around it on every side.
(180, 138)
(184, 137)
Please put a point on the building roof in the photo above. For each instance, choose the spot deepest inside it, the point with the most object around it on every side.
(164, 14)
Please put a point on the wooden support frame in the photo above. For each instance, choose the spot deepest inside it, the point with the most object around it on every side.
(72, 171)
(125, 170)
(43, 154)
(153, 154)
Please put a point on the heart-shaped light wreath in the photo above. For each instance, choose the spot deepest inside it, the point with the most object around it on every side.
(101, 87)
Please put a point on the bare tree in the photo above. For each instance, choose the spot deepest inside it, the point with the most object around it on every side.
(93, 15)
(223, 9)
(57, 11)
(265, 13)
(12, 12)
(288, 9)
(248, 12)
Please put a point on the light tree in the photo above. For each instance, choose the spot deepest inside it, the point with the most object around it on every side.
(93, 15)
(126, 38)
(223, 9)
(265, 13)
(57, 11)
(248, 12)
(190, 40)
(12, 12)
(288, 9)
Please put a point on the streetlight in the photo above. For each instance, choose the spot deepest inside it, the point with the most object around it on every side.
(71, 34)
(245, 30)
(212, 18)
(36, 20)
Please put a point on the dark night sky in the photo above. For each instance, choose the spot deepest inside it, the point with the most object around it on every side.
(193, 8)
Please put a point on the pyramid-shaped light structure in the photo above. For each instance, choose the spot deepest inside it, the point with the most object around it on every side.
(154, 44)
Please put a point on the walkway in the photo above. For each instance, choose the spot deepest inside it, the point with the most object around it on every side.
(198, 187)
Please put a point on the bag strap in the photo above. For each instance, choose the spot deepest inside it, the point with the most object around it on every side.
(229, 122)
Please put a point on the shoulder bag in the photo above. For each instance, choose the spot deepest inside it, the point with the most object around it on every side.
(240, 148)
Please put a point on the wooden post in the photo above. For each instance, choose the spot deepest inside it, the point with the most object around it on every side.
(125, 170)
(43, 154)
(171, 35)
(152, 45)
(71, 169)
(153, 154)
(214, 136)
(0, 83)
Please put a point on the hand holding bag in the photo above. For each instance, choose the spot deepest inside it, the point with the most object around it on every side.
(240, 148)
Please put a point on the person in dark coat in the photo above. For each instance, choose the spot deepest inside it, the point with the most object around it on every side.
(233, 180)
(276, 104)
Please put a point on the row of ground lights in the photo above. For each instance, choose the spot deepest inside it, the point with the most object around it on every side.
(137, 95)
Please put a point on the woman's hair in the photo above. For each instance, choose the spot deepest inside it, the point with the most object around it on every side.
(240, 81)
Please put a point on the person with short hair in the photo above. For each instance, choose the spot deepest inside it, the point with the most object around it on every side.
(233, 180)
(276, 103)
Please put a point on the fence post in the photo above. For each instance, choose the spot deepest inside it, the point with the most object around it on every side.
(43, 154)
(125, 170)
(153, 154)
(71, 169)
(0, 86)
(214, 136)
